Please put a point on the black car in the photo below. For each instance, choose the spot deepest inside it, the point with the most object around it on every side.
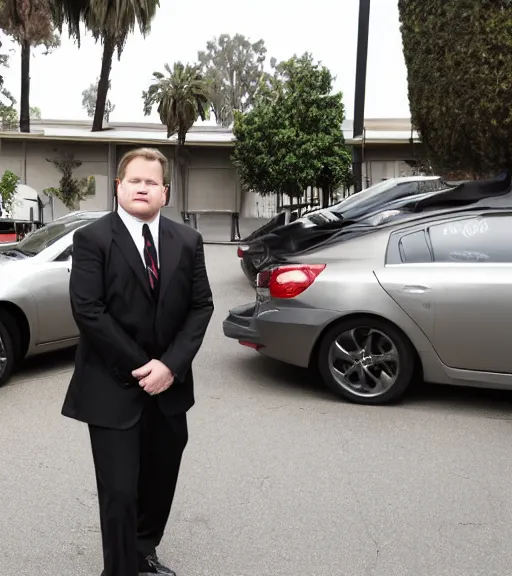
(374, 206)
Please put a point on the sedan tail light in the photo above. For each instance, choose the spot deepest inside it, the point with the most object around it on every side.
(289, 281)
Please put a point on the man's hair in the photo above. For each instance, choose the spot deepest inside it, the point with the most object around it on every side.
(147, 154)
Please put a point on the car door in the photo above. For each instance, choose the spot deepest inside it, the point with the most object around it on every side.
(52, 295)
(454, 278)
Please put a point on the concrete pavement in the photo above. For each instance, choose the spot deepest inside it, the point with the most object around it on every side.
(280, 478)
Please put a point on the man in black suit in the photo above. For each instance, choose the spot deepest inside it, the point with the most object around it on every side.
(142, 301)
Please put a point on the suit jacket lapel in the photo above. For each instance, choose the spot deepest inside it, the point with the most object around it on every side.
(169, 254)
(127, 246)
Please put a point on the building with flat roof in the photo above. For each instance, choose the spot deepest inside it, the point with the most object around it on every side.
(390, 148)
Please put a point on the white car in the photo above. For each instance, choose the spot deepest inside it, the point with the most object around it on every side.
(35, 309)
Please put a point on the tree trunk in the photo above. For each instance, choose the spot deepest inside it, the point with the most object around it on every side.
(176, 180)
(25, 87)
(103, 84)
(183, 178)
(326, 196)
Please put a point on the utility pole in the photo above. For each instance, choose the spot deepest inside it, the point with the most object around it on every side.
(360, 92)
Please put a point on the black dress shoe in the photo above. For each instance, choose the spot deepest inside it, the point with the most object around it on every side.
(152, 565)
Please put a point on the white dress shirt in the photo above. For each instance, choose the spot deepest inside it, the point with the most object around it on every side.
(134, 226)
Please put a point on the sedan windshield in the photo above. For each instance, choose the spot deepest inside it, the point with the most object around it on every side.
(37, 241)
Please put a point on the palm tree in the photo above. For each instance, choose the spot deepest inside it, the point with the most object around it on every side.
(29, 23)
(109, 21)
(183, 96)
(72, 13)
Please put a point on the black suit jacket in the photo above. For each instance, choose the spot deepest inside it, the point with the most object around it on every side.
(122, 327)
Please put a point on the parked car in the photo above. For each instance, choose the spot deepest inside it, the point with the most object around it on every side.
(427, 295)
(35, 310)
(318, 225)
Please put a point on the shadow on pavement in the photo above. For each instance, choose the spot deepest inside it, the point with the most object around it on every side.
(38, 366)
(296, 382)
(293, 381)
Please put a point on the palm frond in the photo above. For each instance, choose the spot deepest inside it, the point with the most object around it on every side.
(182, 96)
(115, 19)
(72, 13)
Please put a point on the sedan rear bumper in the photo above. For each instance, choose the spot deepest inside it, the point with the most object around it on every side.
(287, 332)
(240, 324)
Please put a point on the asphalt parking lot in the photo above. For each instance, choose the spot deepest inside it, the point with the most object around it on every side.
(280, 478)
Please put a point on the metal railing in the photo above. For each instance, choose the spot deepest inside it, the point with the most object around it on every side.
(192, 218)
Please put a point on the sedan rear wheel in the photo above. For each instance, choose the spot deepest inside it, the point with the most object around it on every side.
(8, 337)
(366, 361)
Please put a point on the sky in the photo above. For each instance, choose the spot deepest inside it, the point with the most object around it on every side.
(326, 28)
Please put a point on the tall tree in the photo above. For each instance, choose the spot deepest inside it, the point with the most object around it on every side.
(292, 138)
(89, 99)
(182, 96)
(30, 24)
(459, 64)
(110, 22)
(234, 66)
(8, 113)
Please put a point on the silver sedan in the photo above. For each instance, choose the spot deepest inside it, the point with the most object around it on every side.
(429, 297)
(35, 310)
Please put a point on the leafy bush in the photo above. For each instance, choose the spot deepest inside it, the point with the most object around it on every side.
(459, 62)
(72, 190)
(8, 185)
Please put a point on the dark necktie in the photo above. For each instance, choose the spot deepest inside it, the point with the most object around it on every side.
(150, 257)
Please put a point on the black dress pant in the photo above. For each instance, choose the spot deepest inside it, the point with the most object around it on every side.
(136, 474)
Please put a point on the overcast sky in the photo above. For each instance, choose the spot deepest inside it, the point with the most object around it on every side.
(326, 28)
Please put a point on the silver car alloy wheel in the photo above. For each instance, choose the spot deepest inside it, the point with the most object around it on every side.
(364, 361)
(3, 356)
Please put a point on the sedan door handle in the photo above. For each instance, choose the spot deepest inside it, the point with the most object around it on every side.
(416, 289)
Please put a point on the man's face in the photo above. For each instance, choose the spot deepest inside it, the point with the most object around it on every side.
(142, 192)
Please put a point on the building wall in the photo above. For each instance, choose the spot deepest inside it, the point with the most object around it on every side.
(385, 161)
(29, 161)
(212, 181)
(209, 174)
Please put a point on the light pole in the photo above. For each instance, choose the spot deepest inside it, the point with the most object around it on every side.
(360, 91)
